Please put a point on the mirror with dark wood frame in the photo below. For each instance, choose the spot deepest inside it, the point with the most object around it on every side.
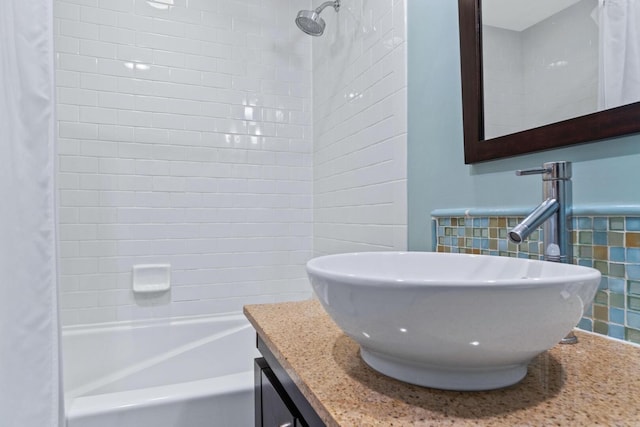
(591, 127)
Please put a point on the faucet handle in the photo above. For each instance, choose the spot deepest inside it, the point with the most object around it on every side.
(551, 170)
(539, 171)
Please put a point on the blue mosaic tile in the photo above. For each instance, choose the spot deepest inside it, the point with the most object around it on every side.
(633, 223)
(616, 331)
(633, 303)
(600, 224)
(633, 335)
(634, 287)
(616, 269)
(617, 254)
(600, 238)
(633, 272)
(616, 315)
(616, 285)
(585, 223)
(633, 319)
(633, 255)
(586, 324)
(604, 283)
(616, 223)
(480, 222)
(585, 262)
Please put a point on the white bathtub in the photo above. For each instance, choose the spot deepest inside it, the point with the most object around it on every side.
(175, 373)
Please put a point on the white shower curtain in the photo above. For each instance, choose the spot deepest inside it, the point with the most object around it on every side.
(619, 82)
(29, 332)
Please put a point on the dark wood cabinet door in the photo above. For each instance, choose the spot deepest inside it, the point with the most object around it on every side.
(278, 401)
(274, 411)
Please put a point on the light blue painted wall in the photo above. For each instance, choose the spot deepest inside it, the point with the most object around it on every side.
(606, 172)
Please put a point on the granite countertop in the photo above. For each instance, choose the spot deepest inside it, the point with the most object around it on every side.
(596, 382)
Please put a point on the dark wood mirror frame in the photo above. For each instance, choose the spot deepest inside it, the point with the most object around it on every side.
(591, 127)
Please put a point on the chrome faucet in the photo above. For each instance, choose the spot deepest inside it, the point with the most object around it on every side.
(555, 210)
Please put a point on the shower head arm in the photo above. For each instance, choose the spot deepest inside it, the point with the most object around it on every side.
(323, 6)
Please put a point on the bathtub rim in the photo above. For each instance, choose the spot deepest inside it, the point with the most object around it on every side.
(77, 408)
(117, 325)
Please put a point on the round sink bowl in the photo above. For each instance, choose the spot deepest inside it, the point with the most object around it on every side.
(451, 321)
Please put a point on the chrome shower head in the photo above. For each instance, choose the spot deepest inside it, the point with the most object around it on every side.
(310, 22)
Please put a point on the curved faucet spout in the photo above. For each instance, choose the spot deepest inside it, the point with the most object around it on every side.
(535, 219)
(553, 212)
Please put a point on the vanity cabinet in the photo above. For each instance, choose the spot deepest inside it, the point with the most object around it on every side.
(273, 406)
(278, 401)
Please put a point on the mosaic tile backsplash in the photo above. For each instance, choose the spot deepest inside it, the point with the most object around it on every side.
(610, 244)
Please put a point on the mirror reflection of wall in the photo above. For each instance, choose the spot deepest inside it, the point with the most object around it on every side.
(541, 66)
(619, 25)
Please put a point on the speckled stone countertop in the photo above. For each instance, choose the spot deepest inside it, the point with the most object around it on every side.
(596, 382)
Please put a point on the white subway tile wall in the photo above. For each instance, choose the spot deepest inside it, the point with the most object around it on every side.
(185, 137)
(360, 128)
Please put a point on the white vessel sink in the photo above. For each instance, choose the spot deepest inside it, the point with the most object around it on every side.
(451, 321)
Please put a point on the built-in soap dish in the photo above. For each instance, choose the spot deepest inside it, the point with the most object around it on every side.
(148, 278)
